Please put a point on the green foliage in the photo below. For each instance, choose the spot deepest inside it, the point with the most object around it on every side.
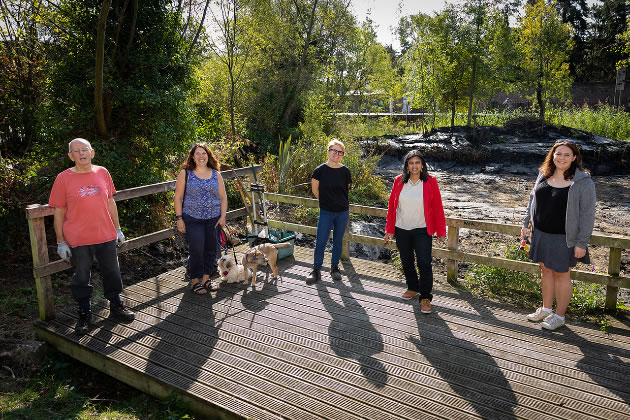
(545, 43)
(511, 286)
(285, 161)
(604, 120)
(65, 388)
(523, 289)
(20, 302)
(359, 127)
(310, 153)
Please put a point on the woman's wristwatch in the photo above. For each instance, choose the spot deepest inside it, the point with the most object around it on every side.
(178, 217)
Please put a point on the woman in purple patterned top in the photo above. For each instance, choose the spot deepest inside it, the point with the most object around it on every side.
(200, 206)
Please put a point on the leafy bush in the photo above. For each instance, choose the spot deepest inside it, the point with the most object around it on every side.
(507, 285)
(524, 289)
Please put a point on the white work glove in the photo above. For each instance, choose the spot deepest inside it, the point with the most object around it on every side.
(120, 238)
(63, 250)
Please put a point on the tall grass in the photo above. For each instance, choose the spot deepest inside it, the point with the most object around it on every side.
(603, 120)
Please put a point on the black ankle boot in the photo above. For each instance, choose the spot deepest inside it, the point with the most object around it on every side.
(83, 323)
(334, 272)
(315, 276)
(119, 311)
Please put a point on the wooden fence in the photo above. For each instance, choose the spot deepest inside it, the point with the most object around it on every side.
(43, 268)
(452, 255)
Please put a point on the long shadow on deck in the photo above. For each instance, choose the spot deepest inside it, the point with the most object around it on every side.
(616, 381)
(344, 328)
(504, 400)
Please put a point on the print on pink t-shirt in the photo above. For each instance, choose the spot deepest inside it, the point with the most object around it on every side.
(85, 196)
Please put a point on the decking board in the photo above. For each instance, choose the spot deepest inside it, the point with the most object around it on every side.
(353, 349)
(474, 383)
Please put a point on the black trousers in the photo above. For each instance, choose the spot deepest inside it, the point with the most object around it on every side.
(81, 284)
(414, 247)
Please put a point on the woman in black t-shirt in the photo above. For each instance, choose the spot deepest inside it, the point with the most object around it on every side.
(331, 183)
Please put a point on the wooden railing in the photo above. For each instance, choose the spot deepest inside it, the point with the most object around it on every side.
(452, 255)
(43, 268)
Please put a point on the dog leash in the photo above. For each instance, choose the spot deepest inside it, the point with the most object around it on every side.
(223, 242)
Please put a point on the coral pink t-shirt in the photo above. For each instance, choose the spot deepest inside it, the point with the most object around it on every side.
(85, 196)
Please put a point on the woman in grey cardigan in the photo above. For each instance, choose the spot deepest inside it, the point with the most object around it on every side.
(562, 213)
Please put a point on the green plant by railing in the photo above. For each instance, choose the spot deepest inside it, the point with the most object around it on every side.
(524, 290)
(285, 161)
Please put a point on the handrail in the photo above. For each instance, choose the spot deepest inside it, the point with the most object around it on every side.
(452, 255)
(34, 211)
(42, 268)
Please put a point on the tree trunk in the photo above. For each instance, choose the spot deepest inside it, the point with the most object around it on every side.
(101, 127)
(540, 99)
(472, 89)
(453, 113)
(294, 91)
(201, 23)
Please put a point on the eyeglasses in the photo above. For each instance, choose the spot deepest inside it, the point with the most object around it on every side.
(336, 152)
(81, 151)
(565, 141)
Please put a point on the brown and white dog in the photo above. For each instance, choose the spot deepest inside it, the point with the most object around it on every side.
(231, 272)
(260, 253)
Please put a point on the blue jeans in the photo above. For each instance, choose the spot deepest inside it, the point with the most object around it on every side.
(81, 283)
(336, 221)
(418, 242)
(201, 235)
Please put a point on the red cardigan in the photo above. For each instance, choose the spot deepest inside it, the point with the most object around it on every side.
(432, 200)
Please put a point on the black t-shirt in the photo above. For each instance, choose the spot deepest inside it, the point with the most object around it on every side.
(333, 187)
(551, 208)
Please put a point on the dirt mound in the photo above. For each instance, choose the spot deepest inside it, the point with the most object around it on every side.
(517, 148)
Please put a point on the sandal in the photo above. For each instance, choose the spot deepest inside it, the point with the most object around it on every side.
(210, 286)
(197, 288)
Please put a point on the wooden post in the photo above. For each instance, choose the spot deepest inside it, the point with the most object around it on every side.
(345, 247)
(614, 267)
(452, 244)
(252, 225)
(39, 251)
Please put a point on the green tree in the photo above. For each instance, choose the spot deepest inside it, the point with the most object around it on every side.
(297, 42)
(575, 12)
(603, 47)
(624, 38)
(437, 66)
(362, 67)
(232, 47)
(545, 43)
(22, 61)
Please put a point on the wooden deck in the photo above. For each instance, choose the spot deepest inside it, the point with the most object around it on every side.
(350, 350)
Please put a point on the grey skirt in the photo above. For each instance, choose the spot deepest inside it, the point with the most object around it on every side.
(552, 250)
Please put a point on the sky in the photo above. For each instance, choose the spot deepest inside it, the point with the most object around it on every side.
(387, 13)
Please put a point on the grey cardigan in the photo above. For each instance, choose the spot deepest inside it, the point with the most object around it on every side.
(580, 216)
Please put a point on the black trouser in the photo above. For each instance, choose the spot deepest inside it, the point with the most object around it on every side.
(81, 284)
(201, 235)
(419, 242)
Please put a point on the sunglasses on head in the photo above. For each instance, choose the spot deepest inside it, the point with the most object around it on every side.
(565, 141)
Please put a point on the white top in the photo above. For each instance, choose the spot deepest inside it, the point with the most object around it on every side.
(410, 211)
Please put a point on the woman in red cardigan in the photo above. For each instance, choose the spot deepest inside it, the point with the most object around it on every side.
(414, 214)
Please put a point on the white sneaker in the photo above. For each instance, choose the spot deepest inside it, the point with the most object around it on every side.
(552, 322)
(539, 315)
